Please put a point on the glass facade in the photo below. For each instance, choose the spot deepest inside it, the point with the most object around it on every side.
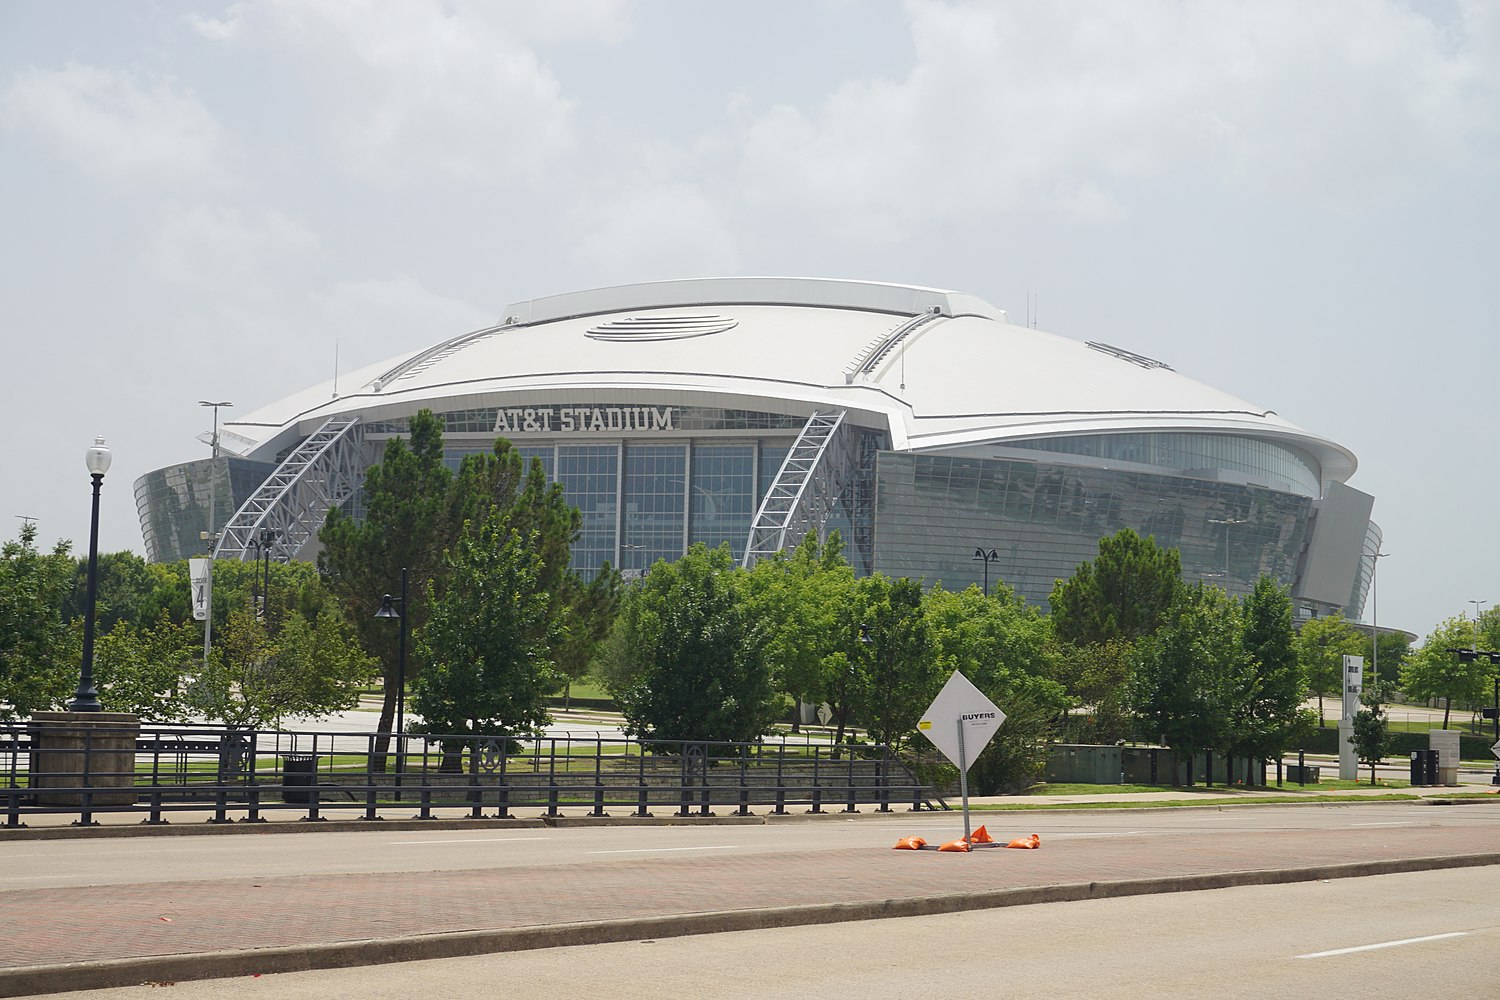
(932, 512)
(590, 476)
(1263, 461)
(173, 502)
(722, 503)
(655, 505)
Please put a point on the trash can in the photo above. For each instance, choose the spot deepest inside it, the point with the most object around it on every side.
(299, 772)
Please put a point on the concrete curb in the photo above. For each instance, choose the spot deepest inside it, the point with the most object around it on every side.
(62, 978)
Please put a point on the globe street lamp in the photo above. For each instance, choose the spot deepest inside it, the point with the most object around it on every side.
(86, 699)
(987, 558)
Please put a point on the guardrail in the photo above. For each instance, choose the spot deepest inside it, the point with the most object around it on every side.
(243, 774)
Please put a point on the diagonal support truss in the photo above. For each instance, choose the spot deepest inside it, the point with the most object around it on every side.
(820, 465)
(321, 473)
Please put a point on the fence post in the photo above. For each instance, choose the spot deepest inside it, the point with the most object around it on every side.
(849, 806)
(883, 778)
(86, 794)
(552, 775)
(684, 792)
(780, 783)
(370, 805)
(642, 807)
(598, 776)
(744, 809)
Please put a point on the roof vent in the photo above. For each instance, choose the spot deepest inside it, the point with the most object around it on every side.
(677, 327)
(1131, 356)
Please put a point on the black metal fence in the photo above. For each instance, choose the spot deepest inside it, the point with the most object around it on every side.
(241, 774)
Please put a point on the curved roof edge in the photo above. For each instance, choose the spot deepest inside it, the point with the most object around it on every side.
(829, 293)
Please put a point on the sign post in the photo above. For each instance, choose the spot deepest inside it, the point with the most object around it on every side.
(961, 720)
(1354, 685)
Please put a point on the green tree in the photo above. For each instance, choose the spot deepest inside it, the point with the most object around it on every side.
(1004, 648)
(408, 509)
(1321, 645)
(687, 660)
(1268, 713)
(803, 599)
(1123, 593)
(486, 640)
(1433, 672)
(261, 672)
(143, 669)
(1097, 676)
(1370, 737)
(592, 606)
(893, 676)
(1185, 676)
(39, 654)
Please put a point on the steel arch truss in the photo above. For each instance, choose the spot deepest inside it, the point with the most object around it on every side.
(322, 472)
(817, 473)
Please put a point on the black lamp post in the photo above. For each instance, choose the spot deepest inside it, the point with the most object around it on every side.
(987, 557)
(86, 698)
(388, 610)
(267, 536)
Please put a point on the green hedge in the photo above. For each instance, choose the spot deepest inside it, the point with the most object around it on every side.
(1398, 745)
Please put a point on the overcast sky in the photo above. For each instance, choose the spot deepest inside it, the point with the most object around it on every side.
(1295, 202)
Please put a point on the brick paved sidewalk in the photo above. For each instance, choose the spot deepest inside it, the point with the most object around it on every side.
(45, 927)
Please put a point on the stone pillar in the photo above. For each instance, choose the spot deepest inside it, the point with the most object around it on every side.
(58, 758)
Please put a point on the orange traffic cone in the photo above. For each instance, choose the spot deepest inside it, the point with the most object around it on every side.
(981, 836)
(1030, 843)
(910, 844)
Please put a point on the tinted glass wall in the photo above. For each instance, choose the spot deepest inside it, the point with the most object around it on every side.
(1043, 519)
(173, 503)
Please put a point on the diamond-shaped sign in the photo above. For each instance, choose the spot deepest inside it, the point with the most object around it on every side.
(960, 703)
(1496, 748)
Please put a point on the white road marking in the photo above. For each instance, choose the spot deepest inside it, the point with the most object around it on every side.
(475, 840)
(1122, 833)
(1390, 823)
(668, 850)
(1385, 944)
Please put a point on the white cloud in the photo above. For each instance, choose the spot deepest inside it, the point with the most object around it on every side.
(1056, 106)
(216, 246)
(391, 315)
(422, 86)
(646, 230)
(117, 127)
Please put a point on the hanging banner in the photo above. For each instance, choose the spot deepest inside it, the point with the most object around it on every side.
(199, 575)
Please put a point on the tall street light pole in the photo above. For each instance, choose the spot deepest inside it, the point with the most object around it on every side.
(987, 558)
(1375, 558)
(211, 535)
(86, 698)
(387, 610)
(1478, 609)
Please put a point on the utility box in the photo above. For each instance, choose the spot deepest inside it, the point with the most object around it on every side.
(1444, 743)
(1424, 767)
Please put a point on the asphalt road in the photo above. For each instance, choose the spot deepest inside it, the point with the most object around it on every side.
(123, 861)
(1412, 935)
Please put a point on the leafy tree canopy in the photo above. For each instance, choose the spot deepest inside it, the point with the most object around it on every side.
(687, 655)
(1123, 593)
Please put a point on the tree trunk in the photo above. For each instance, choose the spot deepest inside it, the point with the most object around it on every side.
(388, 699)
(1447, 704)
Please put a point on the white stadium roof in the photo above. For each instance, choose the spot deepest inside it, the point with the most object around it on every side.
(941, 370)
